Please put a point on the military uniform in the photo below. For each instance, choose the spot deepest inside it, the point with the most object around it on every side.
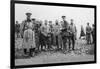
(43, 36)
(73, 32)
(93, 34)
(17, 29)
(64, 33)
(29, 38)
(57, 35)
(50, 36)
(88, 34)
(82, 32)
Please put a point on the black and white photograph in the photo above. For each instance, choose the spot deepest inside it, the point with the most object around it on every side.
(50, 34)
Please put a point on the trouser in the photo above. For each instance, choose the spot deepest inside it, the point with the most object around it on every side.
(88, 38)
(25, 51)
(64, 40)
(31, 50)
(52, 39)
(37, 41)
(93, 37)
(49, 41)
(57, 41)
(73, 41)
(42, 41)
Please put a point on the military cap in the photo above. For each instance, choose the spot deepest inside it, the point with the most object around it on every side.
(28, 14)
(33, 19)
(71, 19)
(63, 16)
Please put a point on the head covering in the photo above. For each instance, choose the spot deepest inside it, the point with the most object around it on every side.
(28, 14)
(50, 21)
(71, 19)
(33, 19)
(63, 16)
(93, 25)
(88, 23)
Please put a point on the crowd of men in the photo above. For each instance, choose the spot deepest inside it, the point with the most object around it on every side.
(47, 35)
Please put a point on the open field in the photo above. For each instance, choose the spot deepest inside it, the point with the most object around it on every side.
(83, 52)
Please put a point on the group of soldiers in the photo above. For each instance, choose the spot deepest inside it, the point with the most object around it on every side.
(90, 32)
(46, 36)
(89, 35)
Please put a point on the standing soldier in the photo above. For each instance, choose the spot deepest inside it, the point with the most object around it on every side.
(38, 35)
(17, 29)
(64, 32)
(35, 28)
(46, 31)
(22, 28)
(82, 32)
(93, 33)
(57, 34)
(43, 35)
(50, 34)
(73, 32)
(29, 36)
(88, 33)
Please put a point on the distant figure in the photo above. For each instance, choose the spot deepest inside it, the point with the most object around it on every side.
(88, 33)
(17, 29)
(82, 34)
(93, 33)
(73, 32)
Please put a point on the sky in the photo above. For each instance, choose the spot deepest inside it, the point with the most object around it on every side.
(42, 12)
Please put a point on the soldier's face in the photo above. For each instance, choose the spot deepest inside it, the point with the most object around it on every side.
(56, 23)
(88, 24)
(28, 17)
(63, 18)
(45, 23)
(71, 23)
(16, 22)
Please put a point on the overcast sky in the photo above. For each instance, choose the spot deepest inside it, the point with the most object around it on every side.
(80, 15)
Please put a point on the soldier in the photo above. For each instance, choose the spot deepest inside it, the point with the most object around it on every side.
(64, 32)
(88, 33)
(29, 36)
(44, 33)
(93, 33)
(17, 29)
(50, 35)
(73, 32)
(82, 32)
(57, 34)
(36, 29)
